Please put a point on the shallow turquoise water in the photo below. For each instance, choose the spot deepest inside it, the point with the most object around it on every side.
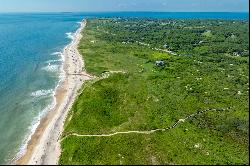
(29, 66)
(29, 72)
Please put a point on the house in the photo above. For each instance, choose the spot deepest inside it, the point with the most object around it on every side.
(165, 46)
(236, 53)
(159, 63)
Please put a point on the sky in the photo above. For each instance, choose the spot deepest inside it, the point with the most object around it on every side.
(124, 5)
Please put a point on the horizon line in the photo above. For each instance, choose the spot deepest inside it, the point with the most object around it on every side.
(125, 11)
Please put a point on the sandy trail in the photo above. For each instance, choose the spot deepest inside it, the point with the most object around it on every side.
(145, 132)
(44, 146)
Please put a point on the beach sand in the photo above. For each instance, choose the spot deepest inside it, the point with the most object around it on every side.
(44, 146)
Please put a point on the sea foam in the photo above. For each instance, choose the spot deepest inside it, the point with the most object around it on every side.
(54, 61)
(56, 53)
(70, 35)
(34, 125)
(41, 93)
(51, 68)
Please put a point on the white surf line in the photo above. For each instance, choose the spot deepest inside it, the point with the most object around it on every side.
(146, 132)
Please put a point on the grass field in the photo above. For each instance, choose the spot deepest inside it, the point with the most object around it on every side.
(147, 97)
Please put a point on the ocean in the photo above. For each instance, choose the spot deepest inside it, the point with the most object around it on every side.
(30, 66)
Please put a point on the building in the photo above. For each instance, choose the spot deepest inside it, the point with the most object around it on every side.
(159, 63)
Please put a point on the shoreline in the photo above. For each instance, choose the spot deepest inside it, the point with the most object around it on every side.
(44, 145)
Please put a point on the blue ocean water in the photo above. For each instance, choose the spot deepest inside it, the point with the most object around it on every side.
(29, 72)
(30, 66)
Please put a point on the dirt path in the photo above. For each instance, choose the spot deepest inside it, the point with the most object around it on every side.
(146, 132)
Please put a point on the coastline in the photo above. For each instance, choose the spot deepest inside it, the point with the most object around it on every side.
(44, 145)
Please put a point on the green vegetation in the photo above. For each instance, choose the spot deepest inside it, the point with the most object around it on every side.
(196, 76)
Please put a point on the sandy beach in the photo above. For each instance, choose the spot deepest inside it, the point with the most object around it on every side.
(44, 146)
